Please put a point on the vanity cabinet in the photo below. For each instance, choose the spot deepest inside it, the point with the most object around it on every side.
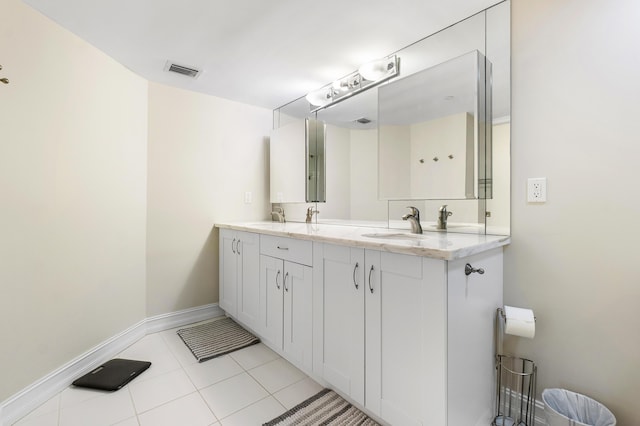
(286, 298)
(239, 275)
(408, 338)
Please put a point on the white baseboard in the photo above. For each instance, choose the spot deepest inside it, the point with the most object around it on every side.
(179, 318)
(540, 419)
(20, 404)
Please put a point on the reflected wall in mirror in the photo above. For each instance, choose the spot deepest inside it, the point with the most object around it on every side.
(351, 156)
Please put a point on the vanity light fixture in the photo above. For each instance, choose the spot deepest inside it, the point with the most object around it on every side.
(367, 76)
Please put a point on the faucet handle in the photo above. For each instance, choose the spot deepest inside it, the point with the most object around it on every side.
(414, 210)
(444, 212)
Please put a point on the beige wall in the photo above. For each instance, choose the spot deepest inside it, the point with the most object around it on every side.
(574, 260)
(73, 137)
(204, 154)
(499, 221)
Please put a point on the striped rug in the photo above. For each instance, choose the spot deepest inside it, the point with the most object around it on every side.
(216, 338)
(324, 408)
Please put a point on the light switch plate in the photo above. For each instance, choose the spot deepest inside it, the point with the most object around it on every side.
(537, 190)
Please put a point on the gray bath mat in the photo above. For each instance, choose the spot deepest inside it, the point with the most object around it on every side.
(216, 338)
(324, 408)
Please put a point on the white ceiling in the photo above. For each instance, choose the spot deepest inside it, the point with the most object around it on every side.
(260, 52)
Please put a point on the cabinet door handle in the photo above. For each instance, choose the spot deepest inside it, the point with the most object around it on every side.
(285, 282)
(355, 269)
(468, 270)
(283, 248)
(238, 246)
(370, 286)
(232, 248)
(277, 283)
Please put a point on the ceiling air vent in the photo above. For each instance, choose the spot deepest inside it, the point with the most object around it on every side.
(180, 69)
(363, 120)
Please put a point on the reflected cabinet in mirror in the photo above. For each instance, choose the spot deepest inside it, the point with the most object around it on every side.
(297, 162)
(436, 133)
(432, 134)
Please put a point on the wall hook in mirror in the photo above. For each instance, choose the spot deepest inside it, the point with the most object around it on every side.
(450, 156)
(435, 158)
(4, 80)
(421, 161)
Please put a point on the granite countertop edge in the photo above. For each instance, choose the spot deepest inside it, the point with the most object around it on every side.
(437, 245)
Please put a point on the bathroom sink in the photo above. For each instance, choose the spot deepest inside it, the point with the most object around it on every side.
(396, 236)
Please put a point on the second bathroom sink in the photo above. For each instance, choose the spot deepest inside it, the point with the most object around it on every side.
(396, 236)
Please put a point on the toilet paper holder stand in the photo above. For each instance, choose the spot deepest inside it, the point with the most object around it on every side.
(515, 383)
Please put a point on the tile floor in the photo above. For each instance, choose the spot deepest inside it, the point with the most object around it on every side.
(247, 387)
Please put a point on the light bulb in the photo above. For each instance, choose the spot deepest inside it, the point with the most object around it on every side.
(375, 70)
(320, 97)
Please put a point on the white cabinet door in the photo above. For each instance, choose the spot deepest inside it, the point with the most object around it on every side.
(228, 282)
(238, 282)
(286, 309)
(405, 338)
(248, 304)
(339, 317)
(298, 317)
(472, 304)
(271, 306)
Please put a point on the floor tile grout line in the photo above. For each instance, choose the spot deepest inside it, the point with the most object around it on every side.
(250, 405)
(59, 413)
(133, 403)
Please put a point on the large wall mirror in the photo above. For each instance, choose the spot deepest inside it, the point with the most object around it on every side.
(361, 184)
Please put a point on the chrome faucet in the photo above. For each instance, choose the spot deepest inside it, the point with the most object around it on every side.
(310, 212)
(443, 215)
(414, 220)
(278, 213)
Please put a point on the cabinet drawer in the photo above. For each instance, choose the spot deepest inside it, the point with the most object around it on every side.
(298, 251)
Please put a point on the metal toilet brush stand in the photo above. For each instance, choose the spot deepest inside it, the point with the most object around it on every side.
(515, 385)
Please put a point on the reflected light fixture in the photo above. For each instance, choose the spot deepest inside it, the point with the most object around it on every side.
(376, 70)
(369, 75)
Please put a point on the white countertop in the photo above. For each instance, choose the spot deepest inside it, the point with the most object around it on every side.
(438, 245)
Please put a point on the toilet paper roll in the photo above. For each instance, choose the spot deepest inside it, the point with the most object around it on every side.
(519, 322)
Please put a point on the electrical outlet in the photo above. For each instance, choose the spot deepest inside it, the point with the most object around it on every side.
(537, 190)
(247, 197)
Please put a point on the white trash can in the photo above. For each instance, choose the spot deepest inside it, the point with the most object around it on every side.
(566, 408)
